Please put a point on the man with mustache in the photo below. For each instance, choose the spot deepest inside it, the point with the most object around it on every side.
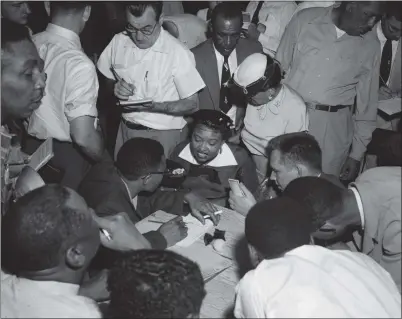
(332, 59)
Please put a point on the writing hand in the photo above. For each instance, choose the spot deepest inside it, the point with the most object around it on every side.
(123, 90)
(174, 231)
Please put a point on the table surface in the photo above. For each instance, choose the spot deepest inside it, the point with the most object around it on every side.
(220, 288)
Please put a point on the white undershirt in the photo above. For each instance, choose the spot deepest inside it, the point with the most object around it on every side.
(359, 204)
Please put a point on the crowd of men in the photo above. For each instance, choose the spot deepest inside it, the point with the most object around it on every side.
(282, 96)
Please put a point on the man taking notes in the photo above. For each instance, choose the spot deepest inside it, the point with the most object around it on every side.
(146, 62)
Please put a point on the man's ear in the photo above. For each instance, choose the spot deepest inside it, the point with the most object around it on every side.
(87, 13)
(47, 7)
(351, 6)
(146, 179)
(161, 19)
(75, 257)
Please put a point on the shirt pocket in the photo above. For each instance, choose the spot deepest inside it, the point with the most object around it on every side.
(306, 55)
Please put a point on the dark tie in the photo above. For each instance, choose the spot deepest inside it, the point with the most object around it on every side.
(385, 67)
(255, 18)
(224, 102)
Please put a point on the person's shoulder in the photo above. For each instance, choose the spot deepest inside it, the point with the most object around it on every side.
(202, 47)
(293, 96)
(309, 14)
(240, 153)
(176, 151)
(333, 179)
(172, 45)
(381, 173)
(251, 46)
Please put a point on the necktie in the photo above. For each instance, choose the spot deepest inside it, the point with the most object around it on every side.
(255, 18)
(224, 103)
(385, 67)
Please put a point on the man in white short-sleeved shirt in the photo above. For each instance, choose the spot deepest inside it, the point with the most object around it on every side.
(294, 279)
(68, 112)
(150, 64)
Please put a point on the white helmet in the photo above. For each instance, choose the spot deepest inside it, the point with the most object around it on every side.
(257, 73)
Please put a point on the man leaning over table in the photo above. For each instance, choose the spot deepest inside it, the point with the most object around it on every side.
(151, 64)
(332, 57)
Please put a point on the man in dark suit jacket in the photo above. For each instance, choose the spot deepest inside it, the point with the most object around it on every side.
(110, 188)
(226, 48)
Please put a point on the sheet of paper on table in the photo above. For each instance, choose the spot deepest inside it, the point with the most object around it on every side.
(192, 246)
(391, 106)
(195, 228)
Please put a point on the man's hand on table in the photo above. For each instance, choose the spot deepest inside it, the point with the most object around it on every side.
(124, 235)
(242, 204)
(200, 206)
(123, 90)
(174, 231)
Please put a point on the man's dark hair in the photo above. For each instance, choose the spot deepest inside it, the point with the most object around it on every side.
(67, 6)
(276, 226)
(393, 9)
(155, 284)
(137, 8)
(12, 32)
(138, 157)
(38, 230)
(322, 196)
(297, 148)
(228, 11)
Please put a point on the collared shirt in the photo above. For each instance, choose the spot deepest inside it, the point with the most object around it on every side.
(383, 39)
(359, 203)
(164, 72)
(313, 4)
(286, 113)
(324, 69)
(232, 66)
(315, 282)
(71, 87)
(224, 158)
(24, 298)
(275, 15)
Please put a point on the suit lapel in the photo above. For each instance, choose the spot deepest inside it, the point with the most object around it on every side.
(211, 74)
(395, 77)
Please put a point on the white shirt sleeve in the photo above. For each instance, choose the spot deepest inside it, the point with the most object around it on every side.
(247, 305)
(185, 76)
(81, 91)
(105, 60)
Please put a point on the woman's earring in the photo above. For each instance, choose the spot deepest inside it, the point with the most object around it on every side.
(220, 150)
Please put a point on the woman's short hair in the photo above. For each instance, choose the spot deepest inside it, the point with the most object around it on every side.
(215, 120)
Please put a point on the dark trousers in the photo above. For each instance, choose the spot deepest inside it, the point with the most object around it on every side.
(68, 166)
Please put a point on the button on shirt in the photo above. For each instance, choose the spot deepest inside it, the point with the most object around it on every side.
(164, 72)
(286, 113)
(71, 87)
(383, 39)
(315, 282)
(232, 66)
(275, 15)
(325, 69)
(24, 298)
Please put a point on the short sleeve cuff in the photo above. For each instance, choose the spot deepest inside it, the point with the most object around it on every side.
(188, 84)
(82, 110)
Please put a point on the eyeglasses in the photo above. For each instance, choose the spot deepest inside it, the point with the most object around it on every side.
(145, 31)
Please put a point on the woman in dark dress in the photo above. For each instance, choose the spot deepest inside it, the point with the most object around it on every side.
(209, 161)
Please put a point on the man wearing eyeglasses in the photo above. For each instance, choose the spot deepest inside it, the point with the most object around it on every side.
(146, 63)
